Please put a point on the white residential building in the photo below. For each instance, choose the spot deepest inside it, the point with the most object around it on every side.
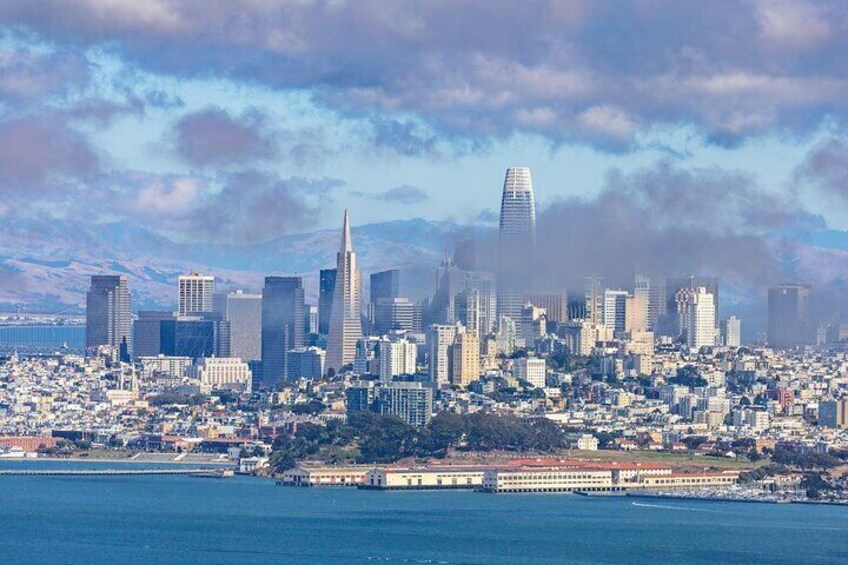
(530, 369)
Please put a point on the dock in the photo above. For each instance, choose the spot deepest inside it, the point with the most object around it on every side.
(206, 472)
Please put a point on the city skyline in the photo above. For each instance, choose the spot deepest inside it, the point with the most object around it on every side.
(580, 265)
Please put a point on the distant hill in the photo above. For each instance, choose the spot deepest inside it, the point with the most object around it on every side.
(46, 265)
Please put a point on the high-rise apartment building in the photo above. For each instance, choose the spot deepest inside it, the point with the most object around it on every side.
(699, 318)
(788, 316)
(674, 320)
(282, 325)
(440, 337)
(326, 288)
(411, 402)
(396, 357)
(345, 320)
(531, 370)
(108, 312)
(517, 243)
(732, 332)
(465, 359)
(195, 293)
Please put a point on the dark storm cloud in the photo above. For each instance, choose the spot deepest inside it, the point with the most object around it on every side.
(668, 221)
(212, 137)
(568, 70)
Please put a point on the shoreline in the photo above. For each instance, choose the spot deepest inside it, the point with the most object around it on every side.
(126, 460)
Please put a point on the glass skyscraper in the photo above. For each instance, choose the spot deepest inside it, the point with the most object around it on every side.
(517, 242)
(282, 325)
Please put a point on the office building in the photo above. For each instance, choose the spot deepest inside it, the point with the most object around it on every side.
(147, 331)
(517, 239)
(594, 301)
(468, 311)
(533, 324)
(345, 320)
(396, 315)
(636, 313)
(385, 284)
(282, 325)
(221, 373)
(307, 363)
(517, 242)
(326, 288)
(531, 370)
(554, 304)
(789, 322)
(244, 313)
(195, 293)
(108, 312)
(411, 402)
(195, 336)
(834, 413)
(615, 310)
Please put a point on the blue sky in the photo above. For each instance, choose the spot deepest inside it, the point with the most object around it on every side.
(195, 118)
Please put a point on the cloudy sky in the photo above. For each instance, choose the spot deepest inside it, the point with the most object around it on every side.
(247, 119)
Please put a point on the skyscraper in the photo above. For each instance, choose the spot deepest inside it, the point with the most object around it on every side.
(397, 314)
(674, 321)
(326, 288)
(108, 308)
(516, 246)
(440, 337)
(732, 332)
(788, 315)
(615, 310)
(244, 312)
(699, 317)
(195, 293)
(465, 359)
(146, 332)
(385, 284)
(282, 325)
(345, 320)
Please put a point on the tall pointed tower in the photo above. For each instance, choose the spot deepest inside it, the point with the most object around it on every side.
(517, 243)
(345, 322)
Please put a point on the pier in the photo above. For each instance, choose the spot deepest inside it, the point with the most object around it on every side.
(112, 472)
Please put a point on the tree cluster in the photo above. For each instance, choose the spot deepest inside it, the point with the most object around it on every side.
(386, 439)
